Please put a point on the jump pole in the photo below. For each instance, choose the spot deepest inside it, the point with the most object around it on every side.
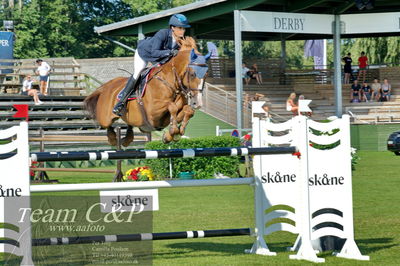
(154, 154)
(140, 237)
(141, 185)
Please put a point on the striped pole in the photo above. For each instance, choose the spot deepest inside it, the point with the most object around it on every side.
(142, 185)
(140, 237)
(153, 154)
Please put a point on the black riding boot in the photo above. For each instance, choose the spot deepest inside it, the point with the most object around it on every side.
(130, 85)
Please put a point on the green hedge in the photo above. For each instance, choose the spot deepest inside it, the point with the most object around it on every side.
(203, 167)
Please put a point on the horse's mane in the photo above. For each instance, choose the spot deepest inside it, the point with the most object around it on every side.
(188, 43)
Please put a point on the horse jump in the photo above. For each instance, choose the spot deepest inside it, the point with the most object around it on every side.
(293, 186)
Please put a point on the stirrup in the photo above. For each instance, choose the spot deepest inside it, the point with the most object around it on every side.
(118, 108)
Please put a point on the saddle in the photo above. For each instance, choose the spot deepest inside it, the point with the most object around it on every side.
(141, 83)
(145, 75)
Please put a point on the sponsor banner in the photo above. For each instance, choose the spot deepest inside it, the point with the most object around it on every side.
(129, 200)
(6, 49)
(286, 22)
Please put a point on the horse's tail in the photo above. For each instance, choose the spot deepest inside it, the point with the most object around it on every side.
(90, 103)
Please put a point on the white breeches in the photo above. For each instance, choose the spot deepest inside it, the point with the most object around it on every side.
(138, 64)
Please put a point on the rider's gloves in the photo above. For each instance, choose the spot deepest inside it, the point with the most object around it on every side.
(174, 52)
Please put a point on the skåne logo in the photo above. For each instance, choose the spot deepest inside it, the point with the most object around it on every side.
(324, 180)
(10, 192)
(278, 178)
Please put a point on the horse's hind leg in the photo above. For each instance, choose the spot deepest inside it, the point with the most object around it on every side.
(128, 137)
(112, 136)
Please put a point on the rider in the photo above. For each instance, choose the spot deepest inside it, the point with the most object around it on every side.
(162, 45)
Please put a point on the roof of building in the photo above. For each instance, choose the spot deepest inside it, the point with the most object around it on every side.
(213, 19)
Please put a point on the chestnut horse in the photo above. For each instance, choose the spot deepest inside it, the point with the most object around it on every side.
(165, 102)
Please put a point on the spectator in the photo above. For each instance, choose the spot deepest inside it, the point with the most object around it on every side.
(362, 64)
(255, 74)
(28, 90)
(246, 140)
(245, 71)
(386, 90)
(376, 90)
(355, 92)
(366, 92)
(258, 96)
(290, 104)
(43, 71)
(347, 68)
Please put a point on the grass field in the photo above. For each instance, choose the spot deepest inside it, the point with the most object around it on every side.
(376, 187)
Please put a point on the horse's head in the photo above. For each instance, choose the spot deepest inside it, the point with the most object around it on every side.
(194, 76)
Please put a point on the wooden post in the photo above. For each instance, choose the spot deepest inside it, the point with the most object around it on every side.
(118, 173)
(42, 176)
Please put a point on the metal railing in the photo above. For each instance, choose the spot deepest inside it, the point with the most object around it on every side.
(221, 104)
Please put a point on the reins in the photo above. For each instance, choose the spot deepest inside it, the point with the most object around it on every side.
(181, 87)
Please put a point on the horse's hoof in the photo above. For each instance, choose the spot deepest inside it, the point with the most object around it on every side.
(177, 137)
(166, 138)
(181, 131)
(126, 141)
(112, 141)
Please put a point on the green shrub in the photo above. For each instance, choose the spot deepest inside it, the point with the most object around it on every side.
(203, 167)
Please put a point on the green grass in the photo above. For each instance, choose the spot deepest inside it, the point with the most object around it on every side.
(376, 183)
(201, 125)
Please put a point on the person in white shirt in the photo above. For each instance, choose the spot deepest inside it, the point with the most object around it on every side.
(28, 90)
(43, 71)
(245, 74)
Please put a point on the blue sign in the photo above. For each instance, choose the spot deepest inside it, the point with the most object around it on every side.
(235, 133)
(6, 49)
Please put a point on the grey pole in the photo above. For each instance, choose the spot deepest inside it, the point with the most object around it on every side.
(238, 70)
(337, 67)
(283, 53)
(140, 32)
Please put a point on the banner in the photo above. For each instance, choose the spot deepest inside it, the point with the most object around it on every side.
(286, 22)
(6, 49)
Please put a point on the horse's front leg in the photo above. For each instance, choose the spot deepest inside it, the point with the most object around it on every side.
(173, 129)
(173, 111)
(183, 118)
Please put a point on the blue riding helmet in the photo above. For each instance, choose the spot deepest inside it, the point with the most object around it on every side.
(179, 20)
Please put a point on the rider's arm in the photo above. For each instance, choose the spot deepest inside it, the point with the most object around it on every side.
(157, 47)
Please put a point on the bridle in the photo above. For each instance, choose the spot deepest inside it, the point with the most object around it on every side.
(186, 91)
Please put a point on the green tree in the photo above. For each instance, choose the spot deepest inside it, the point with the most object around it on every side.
(60, 26)
(30, 42)
(144, 7)
(91, 13)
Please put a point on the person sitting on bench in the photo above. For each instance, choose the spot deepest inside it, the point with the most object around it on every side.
(28, 90)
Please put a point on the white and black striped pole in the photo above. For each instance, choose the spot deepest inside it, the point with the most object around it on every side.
(140, 237)
(154, 154)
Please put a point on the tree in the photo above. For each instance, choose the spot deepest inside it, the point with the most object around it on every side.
(144, 7)
(30, 41)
